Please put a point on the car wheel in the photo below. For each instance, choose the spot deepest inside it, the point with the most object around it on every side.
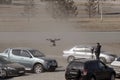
(70, 58)
(3, 74)
(92, 78)
(112, 77)
(103, 59)
(38, 68)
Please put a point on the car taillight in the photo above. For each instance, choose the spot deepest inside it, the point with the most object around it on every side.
(84, 72)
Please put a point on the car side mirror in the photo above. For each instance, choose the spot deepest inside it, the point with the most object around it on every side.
(30, 56)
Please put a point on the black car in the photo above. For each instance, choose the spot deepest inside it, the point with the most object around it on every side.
(85, 69)
(8, 68)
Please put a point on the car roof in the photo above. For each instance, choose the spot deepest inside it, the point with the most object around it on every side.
(83, 46)
(84, 60)
(23, 48)
(79, 46)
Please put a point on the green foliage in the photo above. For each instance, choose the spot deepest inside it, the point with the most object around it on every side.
(62, 8)
(29, 7)
(91, 7)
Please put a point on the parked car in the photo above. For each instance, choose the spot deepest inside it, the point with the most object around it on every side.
(89, 69)
(32, 59)
(8, 68)
(116, 65)
(84, 51)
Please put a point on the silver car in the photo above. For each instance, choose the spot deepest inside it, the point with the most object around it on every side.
(116, 65)
(84, 51)
(32, 59)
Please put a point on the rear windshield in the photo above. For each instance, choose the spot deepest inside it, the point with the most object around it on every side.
(79, 65)
(118, 59)
(91, 65)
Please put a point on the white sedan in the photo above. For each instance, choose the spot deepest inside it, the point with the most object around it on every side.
(84, 51)
(116, 65)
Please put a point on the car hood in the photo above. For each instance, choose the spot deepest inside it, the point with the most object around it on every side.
(115, 63)
(2, 54)
(14, 65)
(107, 53)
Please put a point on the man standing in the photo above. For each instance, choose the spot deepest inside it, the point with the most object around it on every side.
(97, 50)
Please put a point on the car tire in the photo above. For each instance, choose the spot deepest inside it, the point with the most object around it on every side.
(103, 59)
(38, 68)
(92, 78)
(112, 77)
(3, 74)
(70, 58)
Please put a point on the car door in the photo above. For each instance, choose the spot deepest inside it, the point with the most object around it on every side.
(14, 55)
(88, 53)
(79, 53)
(21, 56)
(26, 59)
(103, 69)
(106, 70)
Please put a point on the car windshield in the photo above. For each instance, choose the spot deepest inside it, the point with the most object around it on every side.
(37, 53)
(4, 60)
(118, 59)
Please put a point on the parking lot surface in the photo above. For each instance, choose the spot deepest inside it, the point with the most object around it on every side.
(57, 75)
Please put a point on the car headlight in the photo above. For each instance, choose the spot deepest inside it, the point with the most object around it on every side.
(46, 62)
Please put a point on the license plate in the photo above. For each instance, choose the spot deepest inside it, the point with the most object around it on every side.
(21, 71)
(73, 72)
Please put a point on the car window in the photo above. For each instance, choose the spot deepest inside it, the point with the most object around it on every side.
(6, 51)
(87, 50)
(118, 59)
(82, 49)
(16, 52)
(79, 50)
(36, 53)
(24, 53)
(101, 65)
(91, 65)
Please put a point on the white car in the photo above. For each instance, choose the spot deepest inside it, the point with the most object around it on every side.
(116, 65)
(84, 51)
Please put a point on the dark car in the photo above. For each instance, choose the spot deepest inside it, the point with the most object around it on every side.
(8, 68)
(85, 69)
